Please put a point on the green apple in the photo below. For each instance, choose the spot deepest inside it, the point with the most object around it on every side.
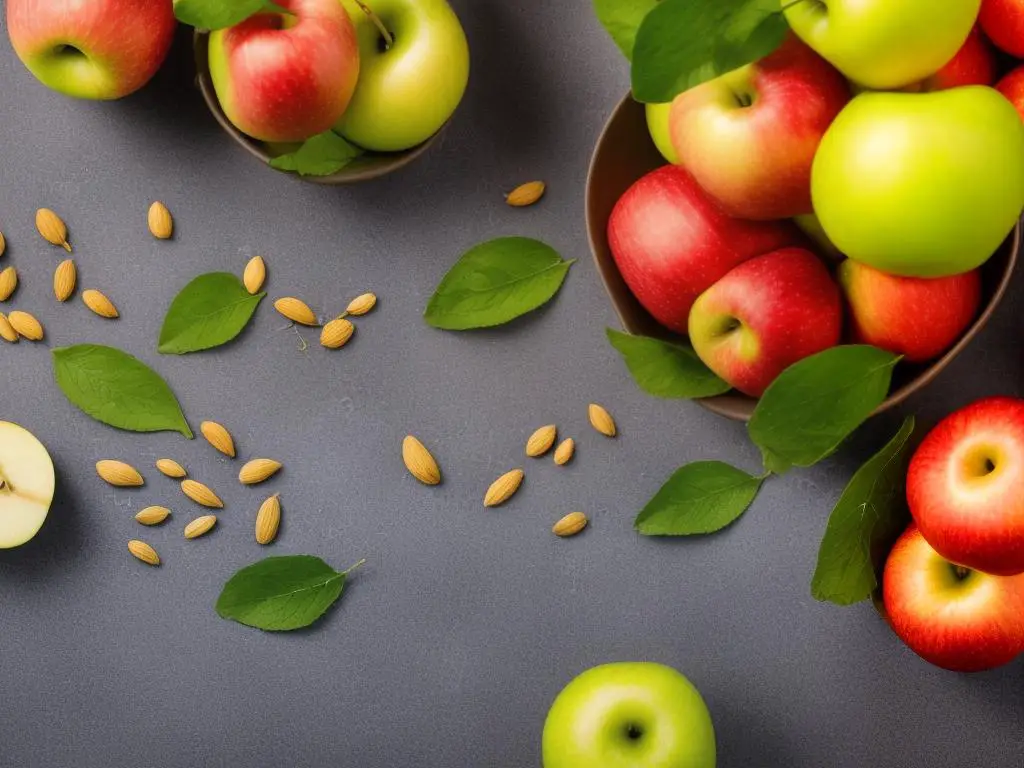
(629, 715)
(881, 43)
(921, 184)
(27, 483)
(407, 90)
(657, 124)
(811, 227)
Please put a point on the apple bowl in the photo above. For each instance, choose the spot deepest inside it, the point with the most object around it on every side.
(369, 166)
(625, 152)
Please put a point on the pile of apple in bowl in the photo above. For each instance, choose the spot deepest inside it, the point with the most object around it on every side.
(859, 180)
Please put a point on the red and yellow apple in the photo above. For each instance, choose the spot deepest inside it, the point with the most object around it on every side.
(1003, 22)
(1012, 87)
(286, 77)
(671, 242)
(765, 315)
(919, 318)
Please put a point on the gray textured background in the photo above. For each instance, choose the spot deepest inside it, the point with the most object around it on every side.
(453, 640)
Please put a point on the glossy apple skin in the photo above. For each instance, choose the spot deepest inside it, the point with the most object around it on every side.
(120, 44)
(1012, 87)
(589, 723)
(765, 315)
(657, 125)
(749, 136)
(671, 242)
(882, 44)
(1003, 22)
(889, 191)
(965, 486)
(286, 78)
(955, 618)
(407, 93)
(919, 318)
(974, 64)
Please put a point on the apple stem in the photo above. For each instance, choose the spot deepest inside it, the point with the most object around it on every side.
(351, 568)
(789, 5)
(388, 39)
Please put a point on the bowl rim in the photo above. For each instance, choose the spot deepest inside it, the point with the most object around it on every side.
(731, 405)
(388, 162)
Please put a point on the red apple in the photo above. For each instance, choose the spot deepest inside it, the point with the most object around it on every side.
(749, 136)
(974, 64)
(919, 318)
(954, 617)
(671, 242)
(1003, 22)
(286, 77)
(1012, 87)
(765, 315)
(100, 49)
(965, 486)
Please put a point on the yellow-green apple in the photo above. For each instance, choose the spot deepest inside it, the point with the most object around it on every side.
(974, 64)
(765, 315)
(921, 184)
(883, 44)
(811, 227)
(103, 49)
(657, 126)
(1003, 22)
(965, 486)
(26, 485)
(409, 87)
(917, 317)
(629, 715)
(749, 136)
(284, 77)
(1012, 87)
(954, 617)
(671, 242)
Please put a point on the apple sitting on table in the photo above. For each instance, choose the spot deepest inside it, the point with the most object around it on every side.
(974, 64)
(1012, 87)
(408, 88)
(671, 242)
(749, 136)
(26, 485)
(882, 44)
(919, 318)
(286, 77)
(956, 618)
(635, 714)
(658, 127)
(1003, 22)
(765, 315)
(104, 49)
(965, 486)
(921, 184)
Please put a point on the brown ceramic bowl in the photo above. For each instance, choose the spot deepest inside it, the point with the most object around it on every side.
(625, 152)
(369, 166)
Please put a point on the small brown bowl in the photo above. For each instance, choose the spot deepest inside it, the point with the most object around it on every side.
(369, 166)
(625, 152)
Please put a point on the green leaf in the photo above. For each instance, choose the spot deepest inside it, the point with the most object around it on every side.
(321, 155)
(281, 593)
(699, 498)
(496, 282)
(818, 402)
(663, 369)
(117, 389)
(683, 43)
(209, 311)
(216, 14)
(864, 524)
(622, 18)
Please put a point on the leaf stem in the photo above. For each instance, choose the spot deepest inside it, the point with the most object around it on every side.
(789, 5)
(351, 568)
(388, 39)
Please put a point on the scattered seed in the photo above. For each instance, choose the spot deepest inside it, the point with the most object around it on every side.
(336, 333)
(52, 228)
(201, 494)
(564, 451)
(268, 520)
(501, 490)
(360, 305)
(419, 461)
(540, 442)
(3, 244)
(601, 420)
(217, 436)
(99, 304)
(526, 194)
(255, 275)
(64, 279)
(119, 473)
(8, 282)
(26, 325)
(200, 526)
(296, 310)
(7, 332)
(161, 225)
(142, 551)
(152, 515)
(171, 468)
(257, 470)
(570, 525)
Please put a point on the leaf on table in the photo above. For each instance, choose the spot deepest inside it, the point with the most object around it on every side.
(115, 388)
(211, 310)
(321, 155)
(699, 498)
(864, 524)
(216, 14)
(621, 19)
(818, 402)
(496, 282)
(664, 369)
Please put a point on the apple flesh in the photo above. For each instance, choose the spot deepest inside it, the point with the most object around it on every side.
(965, 486)
(1012, 87)
(407, 91)
(919, 318)
(286, 77)
(956, 618)
(27, 483)
(102, 49)
(629, 714)
(1003, 22)
(658, 126)
(671, 242)
(765, 315)
(749, 136)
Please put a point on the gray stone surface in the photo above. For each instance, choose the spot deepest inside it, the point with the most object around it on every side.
(465, 623)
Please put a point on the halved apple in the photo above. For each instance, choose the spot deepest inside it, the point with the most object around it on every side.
(27, 483)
